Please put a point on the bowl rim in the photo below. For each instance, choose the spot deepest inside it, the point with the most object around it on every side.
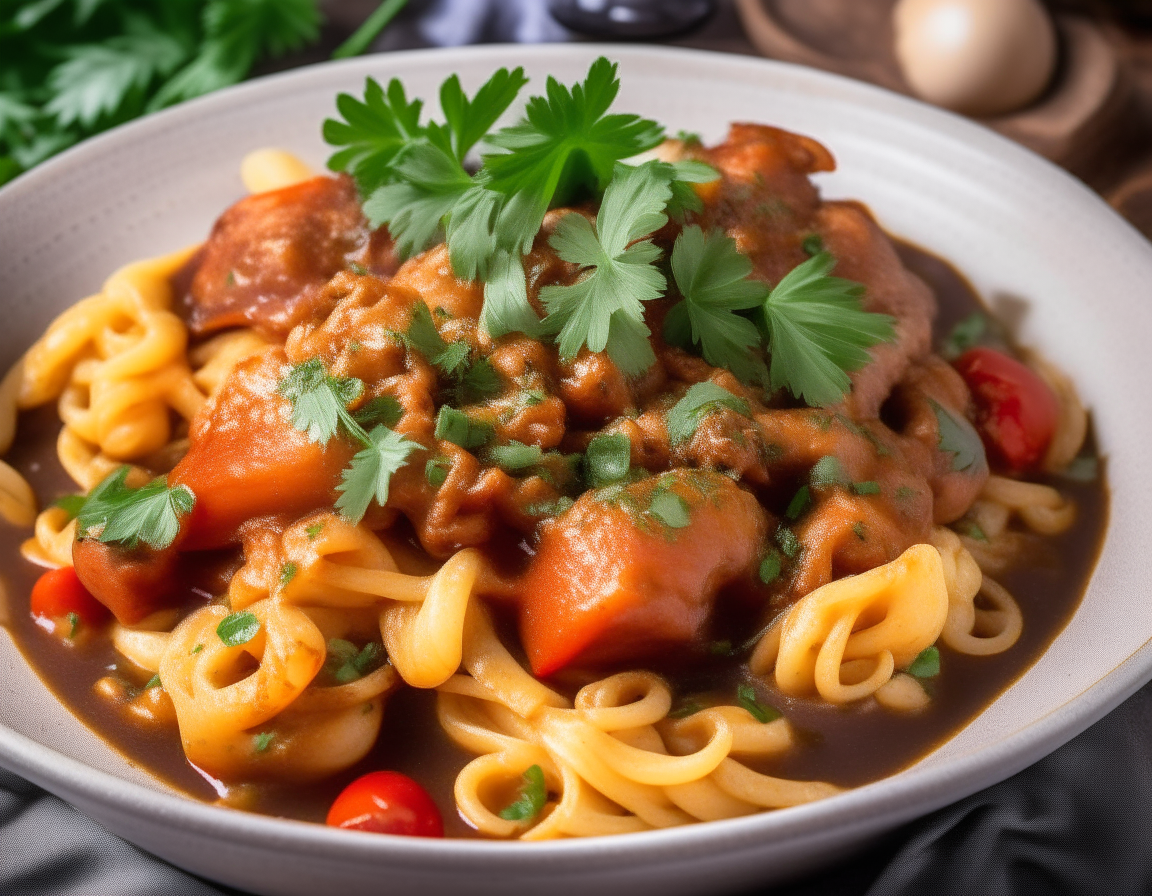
(895, 799)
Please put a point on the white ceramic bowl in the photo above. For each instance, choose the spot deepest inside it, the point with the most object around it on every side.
(1014, 223)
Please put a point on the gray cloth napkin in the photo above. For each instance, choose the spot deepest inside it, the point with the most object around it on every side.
(1077, 822)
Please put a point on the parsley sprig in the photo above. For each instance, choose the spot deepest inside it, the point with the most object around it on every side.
(320, 409)
(116, 514)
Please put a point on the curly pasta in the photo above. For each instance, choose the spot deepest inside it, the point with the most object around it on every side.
(845, 639)
(970, 629)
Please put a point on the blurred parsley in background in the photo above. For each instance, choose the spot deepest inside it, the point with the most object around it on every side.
(72, 68)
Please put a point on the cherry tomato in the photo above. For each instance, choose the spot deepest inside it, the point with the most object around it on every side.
(1016, 411)
(387, 803)
(59, 592)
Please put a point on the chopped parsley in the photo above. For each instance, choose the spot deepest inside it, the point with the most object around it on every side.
(288, 573)
(346, 663)
(926, 664)
(73, 624)
(826, 472)
(770, 567)
(812, 244)
(685, 709)
(966, 334)
(818, 332)
(153, 682)
(436, 471)
(607, 460)
(531, 799)
(788, 542)
(859, 531)
(320, 408)
(868, 487)
(971, 529)
(761, 712)
(670, 509)
(698, 402)
(116, 514)
(71, 505)
(959, 438)
(313, 530)
(236, 629)
(461, 430)
(800, 503)
(262, 741)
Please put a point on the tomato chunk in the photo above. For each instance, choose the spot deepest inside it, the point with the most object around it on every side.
(60, 592)
(387, 803)
(623, 577)
(1016, 411)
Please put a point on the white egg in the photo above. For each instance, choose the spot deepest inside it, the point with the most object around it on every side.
(980, 57)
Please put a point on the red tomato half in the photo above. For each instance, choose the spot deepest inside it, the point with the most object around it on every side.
(59, 592)
(1016, 412)
(387, 803)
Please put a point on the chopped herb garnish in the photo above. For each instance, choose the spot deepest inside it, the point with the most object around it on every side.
(770, 567)
(746, 697)
(261, 741)
(905, 492)
(604, 309)
(153, 682)
(858, 531)
(926, 664)
(550, 508)
(458, 428)
(818, 331)
(868, 487)
(357, 269)
(516, 457)
(384, 409)
(607, 460)
(196, 649)
(288, 573)
(698, 402)
(319, 401)
(354, 346)
(368, 476)
(813, 244)
(827, 471)
(345, 663)
(73, 624)
(533, 795)
(670, 509)
(721, 648)
(236, 629)
(971, 529)
(713, 277)
(423, 337)
(799, 504)
(313, 530)
(788, 542)
(436, 471)
(116, 514)
(685, 709)
(964, 335)
(959, 438)
(71, 505)
(1082, 469)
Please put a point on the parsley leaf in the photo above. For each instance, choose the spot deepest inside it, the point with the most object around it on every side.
(926, 664)
(967, 333)
(506, 307)
(959, 438)
(603, 310)
(468, 121)
(262, 741)
(533, 796)
(382, 409)
(713, 278)
(670, 509)
(818, 332)
(373, 132)
(319, 401)
(458, 428)
(566, 146)
(71, 505)
(236, 629)
(345, 663)
(827, 471)
(698, 402)
(370, 472)
(116, 514)
(607, 459)
(770, 567)
(761, 712)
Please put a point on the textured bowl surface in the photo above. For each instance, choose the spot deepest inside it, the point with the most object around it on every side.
(1017, 226)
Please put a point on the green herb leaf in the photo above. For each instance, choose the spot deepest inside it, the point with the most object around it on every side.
(70, 504)
(313, 530)
(116, 514)
(818, 332)
(236, 629)
(288, 573)
(383, 409)
(788, 542)
(799, 504)
(458, 428)
(436, 471)
(607, 460)
(370, 472)
(262, 741)
(319, 401)
(533, 796)
(926, 664)
(867, 487)
(670, 509)
(770, 567)
(373, 132)
(685, 709)
(73, 623)
(567, 145)
(196, 649)
(698, 402)
(712, 276)
(827, 472)
(345, 663)
(515, 457)
(506, 307)
(468, 121)
(153, 682)
(971, 529)
(964, 335)
(761, 712)
(813, 244)
(604, 309)
(959, 438)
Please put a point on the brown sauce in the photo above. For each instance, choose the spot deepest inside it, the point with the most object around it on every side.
(847, 746)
